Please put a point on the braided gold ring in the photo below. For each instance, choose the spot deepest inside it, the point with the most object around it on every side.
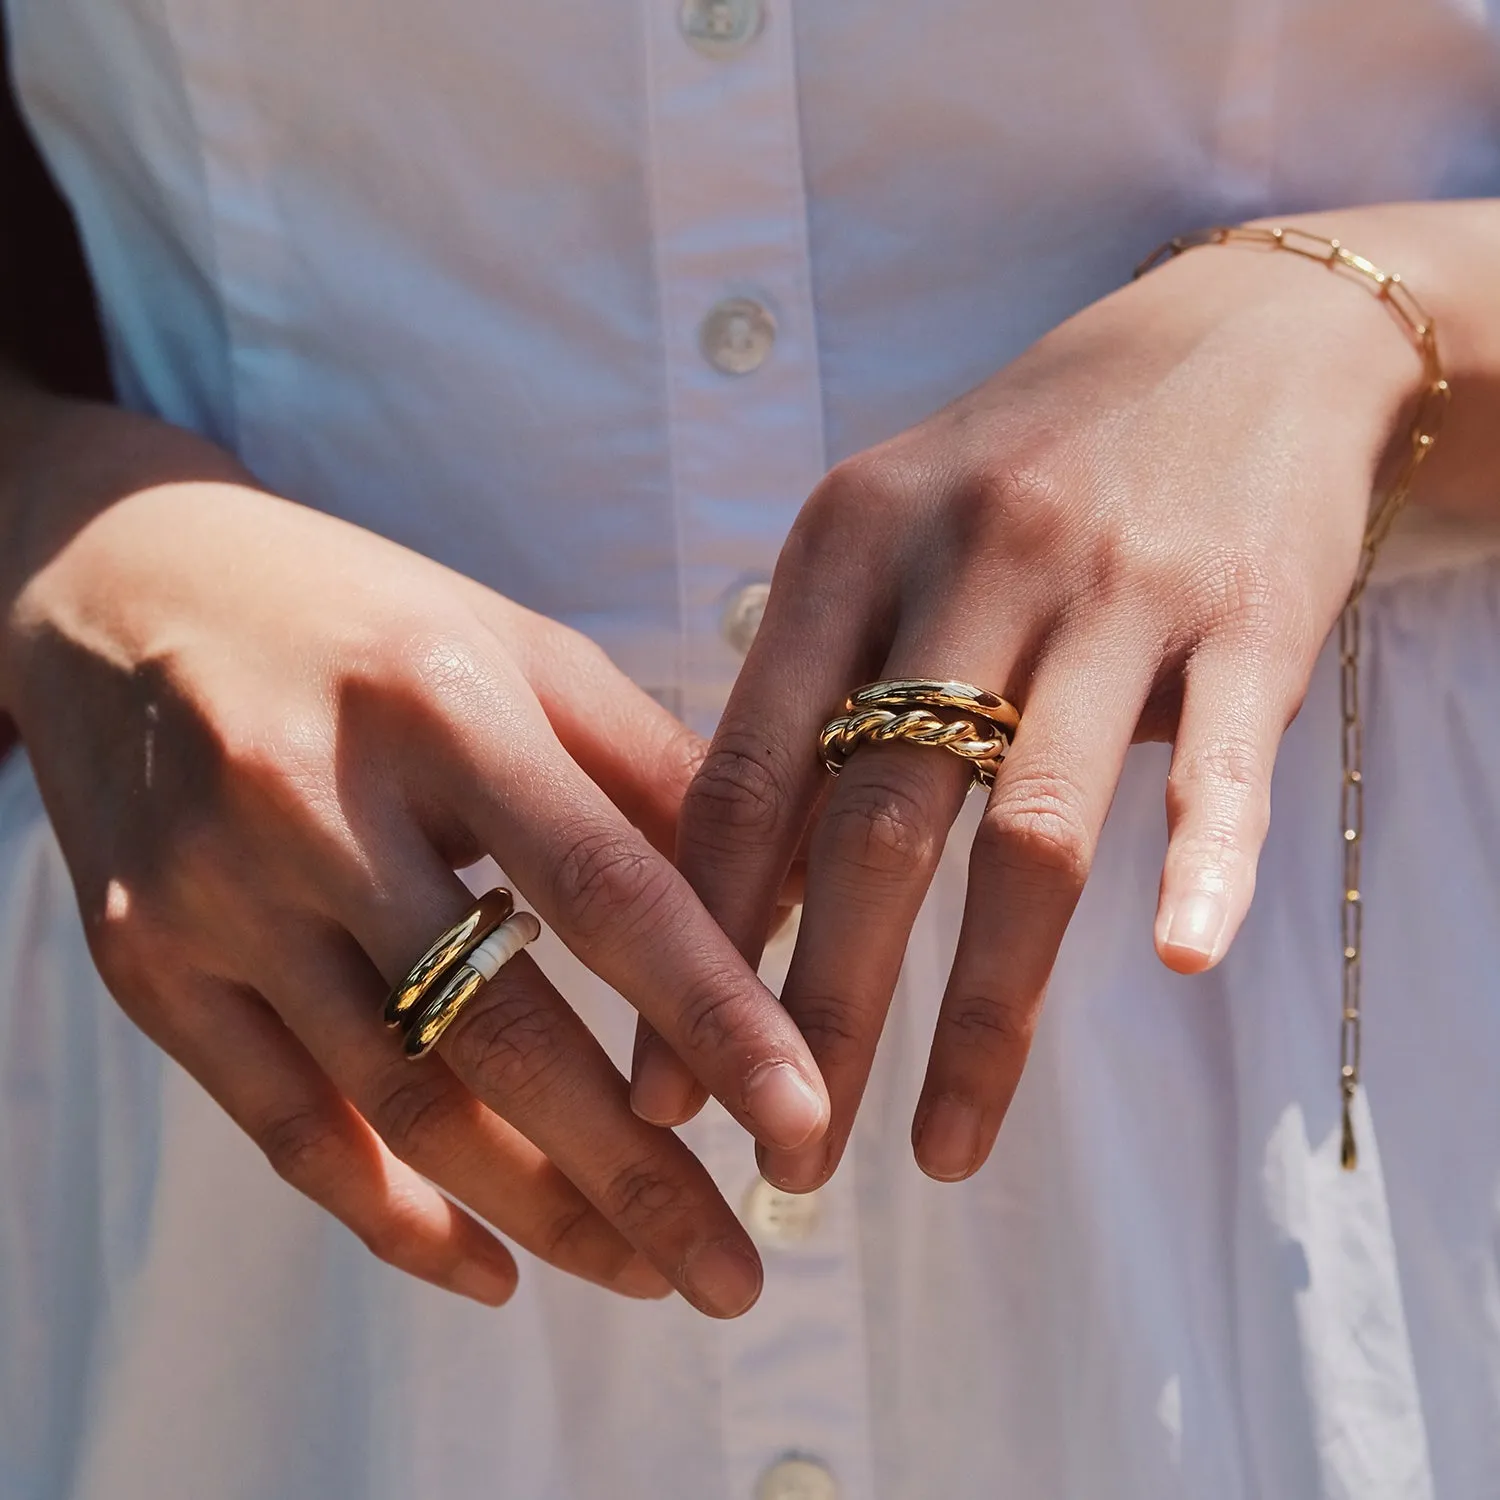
(957, 717)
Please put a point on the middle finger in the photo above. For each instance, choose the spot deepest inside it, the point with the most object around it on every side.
(529, 1056)
(872, 857)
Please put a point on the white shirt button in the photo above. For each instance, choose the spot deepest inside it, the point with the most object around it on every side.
(742, 615)
(797, 1479)
(779, 1220)
(720, 28)
(737, 336)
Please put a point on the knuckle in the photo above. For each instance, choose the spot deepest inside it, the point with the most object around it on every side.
(304, 1148)
(1222, 788)
(639, 1196)
(874, 477)
(739, 791)
(579, 650)
(122, 946)
(138, 949)
(609, 880)
(830, 1025)
(443, 667)
(1212, 851)
(1231, 763)
(562, 1237)
(418, 1116)
(879, 826)
(972, 1021)
(1236, 590)
(837, 514)
(681, 756)
(508, 1039)
(397, 1239)
(1025, 500)
(708, 1016)
(551, 651)
(1034, 828)
(1128, 566)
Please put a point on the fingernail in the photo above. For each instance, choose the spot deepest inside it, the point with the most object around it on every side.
(661, 1093)
(795, 1171)
(948, 1139)
(786, 1108)
(477, 1279)
(1196, 924)
(722, 1278)
(641, 1279)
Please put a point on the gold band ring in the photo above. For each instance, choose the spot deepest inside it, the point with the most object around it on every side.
(957, 717)
(931, 693)
(480, 966)
(481, 919)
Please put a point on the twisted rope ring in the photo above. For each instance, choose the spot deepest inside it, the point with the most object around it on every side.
(974, 739)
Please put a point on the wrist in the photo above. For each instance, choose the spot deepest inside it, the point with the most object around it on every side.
(66, 462)
(1342, 353)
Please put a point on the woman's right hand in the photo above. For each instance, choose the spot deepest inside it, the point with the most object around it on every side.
(266, 739)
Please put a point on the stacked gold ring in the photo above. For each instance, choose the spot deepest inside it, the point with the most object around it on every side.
(454, 969)
(957, 717)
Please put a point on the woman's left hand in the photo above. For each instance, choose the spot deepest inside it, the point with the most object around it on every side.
(1142, 529)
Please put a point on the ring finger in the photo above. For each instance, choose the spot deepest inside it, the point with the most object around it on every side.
(331, 996)
(520, 1050)
(1030, 859)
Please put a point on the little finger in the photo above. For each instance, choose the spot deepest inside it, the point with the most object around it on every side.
(236, 1046)
(1235, 709)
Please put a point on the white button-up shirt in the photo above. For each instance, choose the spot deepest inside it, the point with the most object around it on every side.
(583, 299)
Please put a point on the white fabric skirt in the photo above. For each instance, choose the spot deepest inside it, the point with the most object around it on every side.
(1161, 1285)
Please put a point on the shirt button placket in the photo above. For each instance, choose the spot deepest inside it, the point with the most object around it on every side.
(744, 409)
(744, 402)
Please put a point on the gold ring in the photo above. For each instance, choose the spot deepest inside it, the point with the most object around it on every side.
(958, 717)
(932, 693)
(486, 914)
(480, 965)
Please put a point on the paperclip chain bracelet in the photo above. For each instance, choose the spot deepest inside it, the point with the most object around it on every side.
(1426, 423)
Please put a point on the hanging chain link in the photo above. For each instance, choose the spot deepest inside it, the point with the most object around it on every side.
(1426, 423)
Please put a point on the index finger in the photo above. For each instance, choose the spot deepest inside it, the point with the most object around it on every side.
(628, 914)
(745, 815)
(746, 812)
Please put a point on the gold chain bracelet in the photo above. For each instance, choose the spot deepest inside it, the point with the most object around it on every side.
(1391, 290)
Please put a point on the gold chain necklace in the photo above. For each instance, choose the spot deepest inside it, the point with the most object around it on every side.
(1426, 423)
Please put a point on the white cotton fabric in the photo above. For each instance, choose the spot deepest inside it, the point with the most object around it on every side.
(440, 269)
